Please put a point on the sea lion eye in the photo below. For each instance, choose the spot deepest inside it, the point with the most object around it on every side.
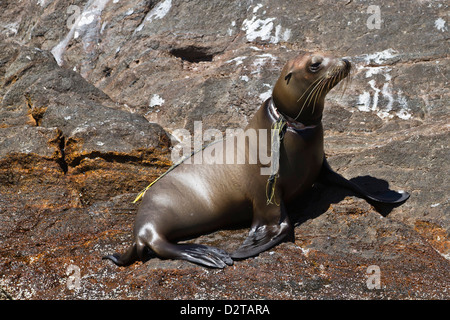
(315, 67)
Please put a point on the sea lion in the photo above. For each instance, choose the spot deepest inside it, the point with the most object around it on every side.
(195, 199)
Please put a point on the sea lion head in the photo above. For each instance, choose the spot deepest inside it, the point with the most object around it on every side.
(304, 82)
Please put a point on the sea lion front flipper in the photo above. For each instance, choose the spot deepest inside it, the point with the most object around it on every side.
(329, 176)
(264, 236)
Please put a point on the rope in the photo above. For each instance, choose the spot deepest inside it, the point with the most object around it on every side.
(277, 134)
(176, 164)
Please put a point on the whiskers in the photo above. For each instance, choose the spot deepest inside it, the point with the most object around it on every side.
(346, 82)
(326, 82)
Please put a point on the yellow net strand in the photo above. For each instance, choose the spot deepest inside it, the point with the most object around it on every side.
(141, 194)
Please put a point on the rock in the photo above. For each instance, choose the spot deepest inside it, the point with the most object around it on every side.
(31, 177)
(90, 91)
(42, 94)
(61, 146)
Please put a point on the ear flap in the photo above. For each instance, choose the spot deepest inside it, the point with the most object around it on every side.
(288, 77)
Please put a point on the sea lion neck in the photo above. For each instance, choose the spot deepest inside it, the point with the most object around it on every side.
(290, 122)
(295, 114)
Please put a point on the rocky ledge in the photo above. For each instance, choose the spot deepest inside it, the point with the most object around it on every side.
(91, 91)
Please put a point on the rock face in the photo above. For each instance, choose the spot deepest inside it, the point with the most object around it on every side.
(91, 91)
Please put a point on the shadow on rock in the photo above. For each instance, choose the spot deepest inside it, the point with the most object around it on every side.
(318, 199)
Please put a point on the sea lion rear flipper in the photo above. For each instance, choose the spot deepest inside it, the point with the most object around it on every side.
(126, 259)
(200, 254)
(264, 236)
(205, 255)
(329, 176)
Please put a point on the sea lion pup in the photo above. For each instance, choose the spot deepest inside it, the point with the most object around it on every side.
(195, 199)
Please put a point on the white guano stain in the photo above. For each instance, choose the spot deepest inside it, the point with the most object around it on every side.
(237, 60)
(260, 61)
(156, 100)
(264, 28)
(158, 12)
(85, 25)
(369, 101)
(267, 94)
(43, 3)
(380, 57)
(440, 24)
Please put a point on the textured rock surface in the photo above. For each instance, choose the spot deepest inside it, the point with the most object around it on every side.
(91, 90)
